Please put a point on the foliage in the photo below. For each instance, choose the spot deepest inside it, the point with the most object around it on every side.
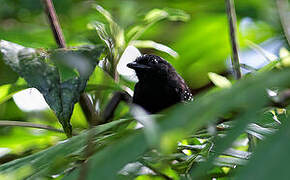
(60, 85)
(237, 129)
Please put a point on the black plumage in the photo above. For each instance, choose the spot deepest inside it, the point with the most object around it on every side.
(159, 85)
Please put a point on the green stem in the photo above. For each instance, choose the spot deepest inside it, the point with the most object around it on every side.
(30, 125)
(232, 20)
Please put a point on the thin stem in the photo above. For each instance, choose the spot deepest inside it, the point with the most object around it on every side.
(113, 103)
(88, 109)
(232, 20)
(30, 125)
(282, 6)
(85, 101)
(54, 23)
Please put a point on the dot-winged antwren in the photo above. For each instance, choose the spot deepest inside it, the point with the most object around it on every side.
(159, 85)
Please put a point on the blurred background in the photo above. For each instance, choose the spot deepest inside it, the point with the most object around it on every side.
(202, 42)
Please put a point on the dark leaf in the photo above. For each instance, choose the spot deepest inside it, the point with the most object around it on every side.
(60, 85)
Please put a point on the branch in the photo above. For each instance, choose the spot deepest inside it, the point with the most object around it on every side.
(54, 23)
(232, 19)
(31, 125)
(112, 105)
(89, 109)
(85, 102)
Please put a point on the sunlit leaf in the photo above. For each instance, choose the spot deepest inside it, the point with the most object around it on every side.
(285, 56)
(219, 80)
(155, 45)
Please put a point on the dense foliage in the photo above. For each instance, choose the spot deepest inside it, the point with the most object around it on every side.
(233, 129)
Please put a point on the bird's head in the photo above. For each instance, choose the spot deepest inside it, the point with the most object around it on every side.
(151, 67)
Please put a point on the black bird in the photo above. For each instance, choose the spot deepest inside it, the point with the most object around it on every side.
(159, 85)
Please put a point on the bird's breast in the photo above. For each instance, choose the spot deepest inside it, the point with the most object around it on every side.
(155, 97)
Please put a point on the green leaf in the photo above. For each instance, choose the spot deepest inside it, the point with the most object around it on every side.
(154, 45)
(229, 162)
(8, 90)
(59, 95)
(258, 131)
(269, 66)
(237, 154)
(219, 80)
(271, 158)
(106, 163)
(7, 75)
(100, 80)
(285, 56)
(116, 31)
(101, 30)
(42, 162)
(153, 17)
(248, 96)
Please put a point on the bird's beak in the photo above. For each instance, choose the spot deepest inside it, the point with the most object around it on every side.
(134, 65)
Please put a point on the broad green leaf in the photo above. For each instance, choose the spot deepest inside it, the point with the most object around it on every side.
(154, 45)
(59, 95)
(271, 158)
(219, 80)
(248, 96)
(42, 162)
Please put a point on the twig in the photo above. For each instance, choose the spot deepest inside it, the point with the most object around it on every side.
(85, 102)
(112, 105)
(232, 20)
(282, 6)
(88, 109)
(30, 125)
(54, 23)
